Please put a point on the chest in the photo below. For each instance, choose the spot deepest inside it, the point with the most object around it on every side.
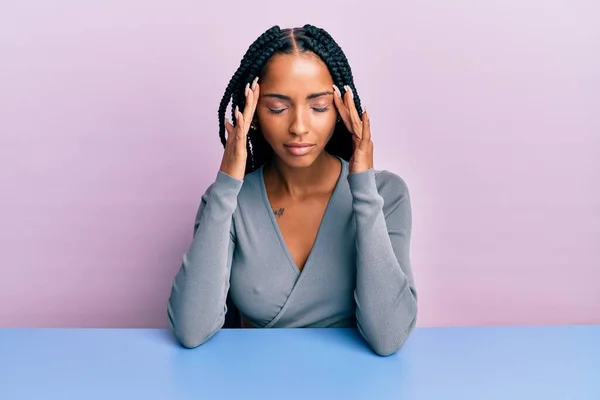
(298, 223)
(293, 261)
(272, 238)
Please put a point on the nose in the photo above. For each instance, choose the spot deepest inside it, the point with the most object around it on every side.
(299, 123)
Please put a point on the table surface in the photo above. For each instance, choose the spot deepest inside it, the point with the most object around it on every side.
(435, 363)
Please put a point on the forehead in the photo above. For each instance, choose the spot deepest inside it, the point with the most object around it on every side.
(297, 72)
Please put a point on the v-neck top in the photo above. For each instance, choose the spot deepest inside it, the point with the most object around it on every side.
(358, 273)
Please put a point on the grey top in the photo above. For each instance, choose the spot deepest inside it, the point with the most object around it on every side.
(358, 273)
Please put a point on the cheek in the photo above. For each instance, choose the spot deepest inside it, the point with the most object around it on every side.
(329, 120)
(324, 125)
(270, 136)
(273, 127)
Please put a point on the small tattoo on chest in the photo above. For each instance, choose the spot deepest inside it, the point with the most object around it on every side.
(278, 211)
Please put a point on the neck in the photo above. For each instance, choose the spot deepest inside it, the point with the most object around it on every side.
(299, 182)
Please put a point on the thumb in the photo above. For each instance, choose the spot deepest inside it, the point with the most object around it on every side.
(230, 130)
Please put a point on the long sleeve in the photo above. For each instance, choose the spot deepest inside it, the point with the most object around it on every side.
(197, 305)
(385, 295)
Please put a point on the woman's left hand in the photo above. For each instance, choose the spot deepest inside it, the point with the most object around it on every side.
(359, 127)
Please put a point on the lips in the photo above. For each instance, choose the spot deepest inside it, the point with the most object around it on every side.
(299, 144)
(299, 149)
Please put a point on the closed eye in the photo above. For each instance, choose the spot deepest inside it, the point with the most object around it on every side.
(280, 110)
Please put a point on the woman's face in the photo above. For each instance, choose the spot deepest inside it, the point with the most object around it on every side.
(296, 111)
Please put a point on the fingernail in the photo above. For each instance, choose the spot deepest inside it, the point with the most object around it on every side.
(254, 83)
(337, 90)
(247, 88)
(364, 109)
(350, 90)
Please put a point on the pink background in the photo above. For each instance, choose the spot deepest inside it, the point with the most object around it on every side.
(108, 138)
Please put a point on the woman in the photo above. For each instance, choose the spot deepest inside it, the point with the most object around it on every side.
(298, 229)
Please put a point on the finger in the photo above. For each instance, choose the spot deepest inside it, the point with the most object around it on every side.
(256, 89)
(252, 93)
(354, 117)
(342, 109)
(366, 131)
(249, 107)
(240, 126)
(230, 130)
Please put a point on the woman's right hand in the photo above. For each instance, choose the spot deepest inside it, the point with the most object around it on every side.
(235, 155)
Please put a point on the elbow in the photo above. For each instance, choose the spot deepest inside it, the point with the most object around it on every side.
(385, 351)
(188, 336)
(192, 338)
(191, 341)
(391, 343)
(391, 338)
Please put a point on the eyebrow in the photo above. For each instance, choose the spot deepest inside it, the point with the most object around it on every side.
(310, 96)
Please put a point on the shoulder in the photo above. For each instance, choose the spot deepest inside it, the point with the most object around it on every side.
(252, 183)
(390, 185)
(227, 190)
(394, 191)
(381, 188)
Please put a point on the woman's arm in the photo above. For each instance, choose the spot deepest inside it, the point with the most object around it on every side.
(386, 299)
(197, 305)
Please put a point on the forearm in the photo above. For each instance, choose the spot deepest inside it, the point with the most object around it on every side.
(386, 305)
(196, 307)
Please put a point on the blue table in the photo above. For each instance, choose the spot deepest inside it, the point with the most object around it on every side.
(436, 363)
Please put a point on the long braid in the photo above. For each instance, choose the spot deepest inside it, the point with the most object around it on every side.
(334, 57)
(277, 41)
(237, 78)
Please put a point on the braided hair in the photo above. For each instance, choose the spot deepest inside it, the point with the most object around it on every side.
(254, 64)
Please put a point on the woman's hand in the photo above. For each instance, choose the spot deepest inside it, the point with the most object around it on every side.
(235, 154)
(359, 127)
